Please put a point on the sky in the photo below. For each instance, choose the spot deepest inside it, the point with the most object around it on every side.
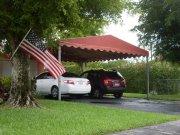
(123, 31)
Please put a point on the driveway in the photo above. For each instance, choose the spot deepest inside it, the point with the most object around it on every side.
(160, 106)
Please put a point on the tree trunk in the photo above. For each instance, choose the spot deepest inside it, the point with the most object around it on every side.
(21, 88)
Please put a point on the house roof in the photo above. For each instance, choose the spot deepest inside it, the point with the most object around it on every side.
(97, 48)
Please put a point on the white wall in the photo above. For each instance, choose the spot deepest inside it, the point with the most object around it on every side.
(5, 68)
(33, 69)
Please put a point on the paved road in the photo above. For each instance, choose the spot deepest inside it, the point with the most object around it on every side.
(167, 107)
(169, 128)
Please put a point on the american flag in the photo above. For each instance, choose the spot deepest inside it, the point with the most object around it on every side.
(34, 46)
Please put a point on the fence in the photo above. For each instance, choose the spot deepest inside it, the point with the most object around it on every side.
(158, 86)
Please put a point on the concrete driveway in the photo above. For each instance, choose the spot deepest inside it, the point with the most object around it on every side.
(160, 106)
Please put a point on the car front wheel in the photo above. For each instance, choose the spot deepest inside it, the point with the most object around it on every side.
(55, 92)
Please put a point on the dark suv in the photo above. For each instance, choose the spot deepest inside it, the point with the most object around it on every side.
(105, 82)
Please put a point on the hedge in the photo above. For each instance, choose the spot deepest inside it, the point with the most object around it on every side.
(164, 76)
(5, 84)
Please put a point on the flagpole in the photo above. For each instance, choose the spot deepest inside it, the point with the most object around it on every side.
(59, 78)
(19, 44)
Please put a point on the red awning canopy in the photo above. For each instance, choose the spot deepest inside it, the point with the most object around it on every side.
(97, 48)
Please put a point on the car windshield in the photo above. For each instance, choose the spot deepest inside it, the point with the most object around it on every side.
(69, 75)
(113, 74)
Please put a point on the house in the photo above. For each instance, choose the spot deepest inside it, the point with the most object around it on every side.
(6, 67)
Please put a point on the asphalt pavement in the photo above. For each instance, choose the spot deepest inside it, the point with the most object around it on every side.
(160, 106)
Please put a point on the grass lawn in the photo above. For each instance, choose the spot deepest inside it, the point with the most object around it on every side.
(161, 97)
(67, 118)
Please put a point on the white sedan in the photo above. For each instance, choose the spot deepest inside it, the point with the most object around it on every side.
(69, 84)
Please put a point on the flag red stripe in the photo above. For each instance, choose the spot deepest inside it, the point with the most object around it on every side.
(61, 71)
(56, 61)
(45, 55)
(39, 60)
(44, 58)
(40, 57)
(47, 59)
(61, 66)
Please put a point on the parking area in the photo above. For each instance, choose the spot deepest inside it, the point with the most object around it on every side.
(160, 106)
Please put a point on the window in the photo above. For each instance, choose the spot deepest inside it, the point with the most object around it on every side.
(113, 74)
(69, 75)
(84, 75)
(46, 75)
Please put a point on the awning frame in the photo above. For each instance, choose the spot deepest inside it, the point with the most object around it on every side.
(103, 52)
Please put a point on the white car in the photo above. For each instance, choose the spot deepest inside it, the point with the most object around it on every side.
(69, 84)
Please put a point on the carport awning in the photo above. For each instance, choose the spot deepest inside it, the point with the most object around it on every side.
(97, 48)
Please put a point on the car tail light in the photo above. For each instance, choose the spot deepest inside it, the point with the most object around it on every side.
(69, 82)
(108, 83)
(123, 83)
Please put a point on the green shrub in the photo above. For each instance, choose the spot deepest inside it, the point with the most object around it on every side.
(164, 76)
(72, 67)
(5, 83)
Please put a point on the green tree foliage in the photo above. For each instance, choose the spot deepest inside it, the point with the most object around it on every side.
(160, 27)
(51, 19)
(64, 18)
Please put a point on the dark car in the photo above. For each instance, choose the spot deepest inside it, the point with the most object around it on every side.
(105, 82)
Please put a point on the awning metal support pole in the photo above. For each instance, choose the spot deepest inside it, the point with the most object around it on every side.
(84, 66)
(59, 78)
(147, 75)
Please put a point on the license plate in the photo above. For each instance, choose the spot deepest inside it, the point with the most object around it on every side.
(116, 85)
